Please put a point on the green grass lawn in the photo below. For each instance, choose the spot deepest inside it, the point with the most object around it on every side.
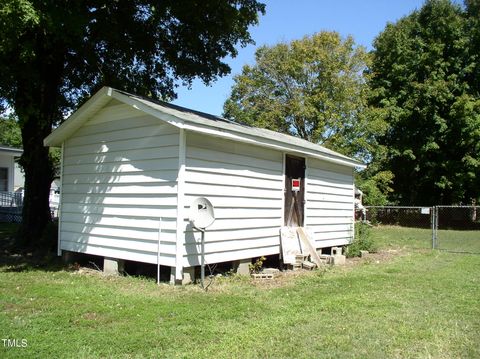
(459, 241)
(417, 304)
(402, 237)
(418, 238)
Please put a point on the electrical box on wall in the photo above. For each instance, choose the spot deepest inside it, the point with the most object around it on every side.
(296, 184)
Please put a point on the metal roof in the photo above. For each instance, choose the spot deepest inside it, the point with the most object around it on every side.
(196, 121)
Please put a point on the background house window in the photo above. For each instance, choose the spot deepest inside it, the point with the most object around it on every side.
(3, 179)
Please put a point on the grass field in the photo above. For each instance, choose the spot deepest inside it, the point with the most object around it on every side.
(401, 303)
(401, 237)
(418, 238)
(459, 241)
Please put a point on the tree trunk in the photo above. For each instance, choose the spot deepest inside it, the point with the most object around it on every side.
(37, 110)
(37, 103)
(38, 178)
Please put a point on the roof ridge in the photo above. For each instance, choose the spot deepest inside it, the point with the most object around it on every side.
(219, 118)
(184, 109)
(198, 121)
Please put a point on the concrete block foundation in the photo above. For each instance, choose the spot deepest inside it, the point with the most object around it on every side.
(68, 257)
(113, 266)
(339, 260)
(336, 251)
(242, 266)
(188, 275)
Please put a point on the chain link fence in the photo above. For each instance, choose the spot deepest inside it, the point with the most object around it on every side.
(450, 228)
(416, 217)
(418, 220)
(457, 228)
(11, 207)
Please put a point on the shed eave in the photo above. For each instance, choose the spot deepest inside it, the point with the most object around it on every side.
(78, 118)
(140, 105)
(10, 150)
(268, 143)
(192, 121)
(237, 132)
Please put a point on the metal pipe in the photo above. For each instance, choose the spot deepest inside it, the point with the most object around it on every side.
(158, 249)
(202, 267)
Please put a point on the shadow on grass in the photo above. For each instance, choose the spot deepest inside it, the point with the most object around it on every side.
(16, 259)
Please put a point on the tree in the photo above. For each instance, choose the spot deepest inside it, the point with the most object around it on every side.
(425, 82)
(313, 88)
(55, 53)
(10, 134)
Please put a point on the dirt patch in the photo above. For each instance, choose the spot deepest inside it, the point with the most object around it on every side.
(223, 283)
(287, 278)
(90, 316)
(377, 257)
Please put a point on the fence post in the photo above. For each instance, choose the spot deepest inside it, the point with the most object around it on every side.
(432, 215)
(435, 228)
(432, 222)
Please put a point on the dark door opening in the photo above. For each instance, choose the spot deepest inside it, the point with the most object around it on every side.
(294, 191)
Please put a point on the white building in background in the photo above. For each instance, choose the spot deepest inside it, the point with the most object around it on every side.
(11, 176)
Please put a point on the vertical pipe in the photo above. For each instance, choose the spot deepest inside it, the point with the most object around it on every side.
(434, 227)
(180, 227)
(158, 249)
(202, 272)
(432, 224)
(60, 202)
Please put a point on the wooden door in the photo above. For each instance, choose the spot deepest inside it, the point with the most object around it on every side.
(294, 200)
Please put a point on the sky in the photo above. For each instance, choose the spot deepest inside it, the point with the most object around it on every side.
(287, 20)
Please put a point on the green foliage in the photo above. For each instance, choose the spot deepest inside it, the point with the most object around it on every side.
(54, 54)
(313, 88)
(10, 134)
(55, 155)
(376, 187)
(363, 241)
(257, 266)
(140, 46)
(425, 83)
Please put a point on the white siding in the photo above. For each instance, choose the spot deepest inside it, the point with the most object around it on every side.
(18, 177)
(329, 203)
(119, 177)
(245, 184)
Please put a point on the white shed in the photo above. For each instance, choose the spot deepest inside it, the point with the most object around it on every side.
(129, 161)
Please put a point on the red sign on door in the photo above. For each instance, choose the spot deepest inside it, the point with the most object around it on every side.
(295, 184)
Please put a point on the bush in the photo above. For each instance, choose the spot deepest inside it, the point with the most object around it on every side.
(257, 266)
(362, 241)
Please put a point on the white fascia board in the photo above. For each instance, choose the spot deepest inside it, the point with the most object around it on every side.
(10, 151)
(178, 119)
(196, 123)
(78, 118)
